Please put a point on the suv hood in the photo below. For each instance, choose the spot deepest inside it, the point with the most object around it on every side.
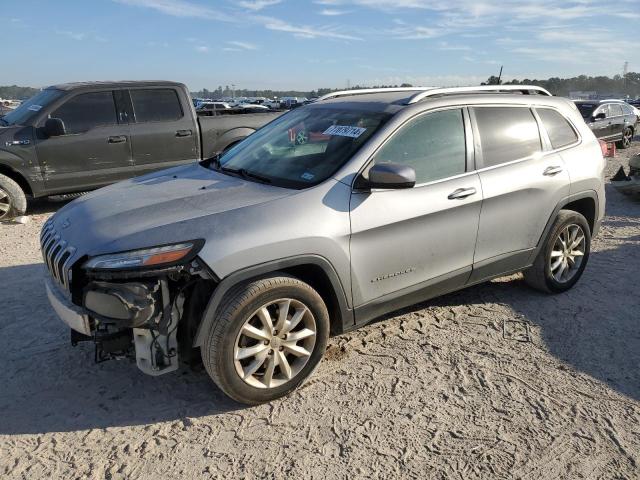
(155, 209)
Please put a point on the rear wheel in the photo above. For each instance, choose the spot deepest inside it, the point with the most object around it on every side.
(13, 201)
(564, 255)
(627, 136)
(269, 336)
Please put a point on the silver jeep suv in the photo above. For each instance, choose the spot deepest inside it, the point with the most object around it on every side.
(331, 215)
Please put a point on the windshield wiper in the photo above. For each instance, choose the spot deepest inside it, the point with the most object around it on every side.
(246, 174)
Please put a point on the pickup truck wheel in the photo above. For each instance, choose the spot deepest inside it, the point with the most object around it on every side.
(13, 201)
(268, 337)
(627, 136)
(564, 255)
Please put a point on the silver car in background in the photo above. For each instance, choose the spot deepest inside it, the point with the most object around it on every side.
(331, 215)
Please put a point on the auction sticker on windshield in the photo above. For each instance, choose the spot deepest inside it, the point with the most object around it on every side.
(344, 131)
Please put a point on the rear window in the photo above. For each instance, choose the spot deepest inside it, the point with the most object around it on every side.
(86, 111)
(560, 131)
(156, 105)
(506, 134)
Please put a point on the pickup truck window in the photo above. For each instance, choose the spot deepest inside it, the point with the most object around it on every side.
(86, 111)
(303, 147)
(31, 108)
(156, 105)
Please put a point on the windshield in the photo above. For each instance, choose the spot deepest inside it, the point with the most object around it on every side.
(30, 108)
(303, 147)
(586, 109)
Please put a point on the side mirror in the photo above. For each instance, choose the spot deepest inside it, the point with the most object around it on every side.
(600, 116)
(54, 127)
(390, 175)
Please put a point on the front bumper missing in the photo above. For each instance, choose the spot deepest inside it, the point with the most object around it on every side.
(74, 316)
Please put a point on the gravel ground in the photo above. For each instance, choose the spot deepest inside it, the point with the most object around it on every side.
(496, 381)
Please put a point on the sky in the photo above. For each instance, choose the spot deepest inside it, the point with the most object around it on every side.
(309, 44)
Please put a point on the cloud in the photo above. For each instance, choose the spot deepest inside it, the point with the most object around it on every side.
(257, 5)
(303, 31)
(72, 35)
(242, 45)
(332, 12)
(180, 8)
(201, 49)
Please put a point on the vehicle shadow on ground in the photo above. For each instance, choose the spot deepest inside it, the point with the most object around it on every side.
(49, 386)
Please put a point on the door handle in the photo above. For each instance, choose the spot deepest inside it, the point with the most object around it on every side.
(184, 133)
(117, 139)
(551, 171)
(461, 193)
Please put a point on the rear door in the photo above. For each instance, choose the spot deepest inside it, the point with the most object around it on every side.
(521, 187)
(163, 132)
(96, 149)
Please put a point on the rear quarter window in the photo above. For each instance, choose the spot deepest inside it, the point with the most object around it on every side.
(156, 105)
(506, 134)
(559, 130)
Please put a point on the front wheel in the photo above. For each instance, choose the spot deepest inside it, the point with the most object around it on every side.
(627, 136)
(564, 254)
(13, 202)
(268, 337)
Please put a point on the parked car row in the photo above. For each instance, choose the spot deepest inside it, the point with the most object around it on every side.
(81, 136)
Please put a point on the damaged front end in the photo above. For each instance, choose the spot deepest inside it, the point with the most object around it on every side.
(143, 304)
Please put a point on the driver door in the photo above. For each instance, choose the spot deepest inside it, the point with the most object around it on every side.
(421, 240)
(95, 149)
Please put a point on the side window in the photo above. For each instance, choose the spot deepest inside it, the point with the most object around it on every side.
(156, 105)
(560, 131)
(506, 134)
(615, 109)
(603, 109)
(86, 111)
(433, 144)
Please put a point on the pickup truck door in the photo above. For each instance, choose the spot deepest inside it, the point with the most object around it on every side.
(163, 130)
(95, 149)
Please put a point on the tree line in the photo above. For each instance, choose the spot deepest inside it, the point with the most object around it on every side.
(616, 86)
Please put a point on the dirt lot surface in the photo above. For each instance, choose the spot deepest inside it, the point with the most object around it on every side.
(497, 381)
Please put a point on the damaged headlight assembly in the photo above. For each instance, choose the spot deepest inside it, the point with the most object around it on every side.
(148, 257)
(125, 287)
(140, 290)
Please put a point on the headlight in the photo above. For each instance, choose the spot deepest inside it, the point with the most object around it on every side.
(148, 257)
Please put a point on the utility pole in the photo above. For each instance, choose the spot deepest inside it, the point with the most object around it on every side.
(500, 74)
(233, 91)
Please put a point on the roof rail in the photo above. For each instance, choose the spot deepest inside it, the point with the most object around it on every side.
(524, 89)
(362, 91)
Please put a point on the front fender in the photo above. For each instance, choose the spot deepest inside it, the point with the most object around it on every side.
(257, 271)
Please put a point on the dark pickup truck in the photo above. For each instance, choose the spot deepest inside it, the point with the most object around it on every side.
(80, 136)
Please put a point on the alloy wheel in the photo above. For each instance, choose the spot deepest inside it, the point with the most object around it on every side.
(275, 343)
(5, 203)
(567, 253)
(626, 137)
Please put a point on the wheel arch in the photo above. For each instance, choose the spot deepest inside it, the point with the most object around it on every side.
(315, 270)
(16, 177)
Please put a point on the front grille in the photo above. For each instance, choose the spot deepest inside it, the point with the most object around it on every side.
(56, 253)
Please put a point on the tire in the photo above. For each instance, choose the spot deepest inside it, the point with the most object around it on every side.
(246, 379)
(542, 275)
(627, 136)
(13, 202)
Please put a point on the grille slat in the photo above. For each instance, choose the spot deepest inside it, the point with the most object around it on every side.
(57, 255)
